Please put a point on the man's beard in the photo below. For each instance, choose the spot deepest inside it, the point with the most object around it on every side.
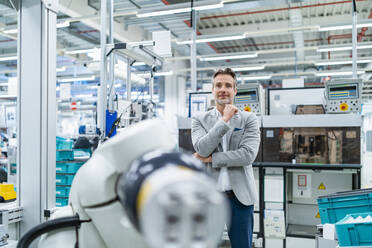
(224, 101)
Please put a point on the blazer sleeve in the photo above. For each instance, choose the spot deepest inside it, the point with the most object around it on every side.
(206, 142)
(247, 149)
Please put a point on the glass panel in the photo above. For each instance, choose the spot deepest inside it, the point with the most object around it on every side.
(312, 145)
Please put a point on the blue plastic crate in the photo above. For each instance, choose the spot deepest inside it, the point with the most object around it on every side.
(354, 234)
(63, 144)
(68, 167)
(62, 179)
(64, 155)
(63, 191)
(335, 207)
(60, 202)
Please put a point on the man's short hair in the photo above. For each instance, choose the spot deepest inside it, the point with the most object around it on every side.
(226, 71)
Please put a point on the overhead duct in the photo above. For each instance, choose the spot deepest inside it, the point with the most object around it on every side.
(298, 36)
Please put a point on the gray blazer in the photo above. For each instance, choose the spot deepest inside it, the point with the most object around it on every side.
(243, 140)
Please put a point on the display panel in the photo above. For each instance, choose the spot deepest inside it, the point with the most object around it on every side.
(343, 91)
(246, 96)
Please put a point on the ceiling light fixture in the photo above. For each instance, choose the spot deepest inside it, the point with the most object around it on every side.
(9, 58)
(342, 27)
(343, 62)
(139, 63)
(90, 50)
(163, 73)
(179, 8)
(344, 48)
(336, 73)
(251, 68)
(61, 69)
(250, 78)
(226, 57)
(156, 74)
(75, 79)
(212, 39)
(64, 24)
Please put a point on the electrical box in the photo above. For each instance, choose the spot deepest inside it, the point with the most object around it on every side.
(343, 96)
(251, 98)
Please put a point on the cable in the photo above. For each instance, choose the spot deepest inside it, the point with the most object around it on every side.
(49, 226)
(192, 9)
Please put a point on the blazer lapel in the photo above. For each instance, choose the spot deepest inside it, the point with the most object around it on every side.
(235, 120)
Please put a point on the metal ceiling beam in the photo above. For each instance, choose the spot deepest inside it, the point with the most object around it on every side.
(78, 8)
(253, 27)
(79, 36)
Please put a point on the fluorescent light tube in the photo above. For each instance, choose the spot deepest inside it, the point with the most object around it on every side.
(337, 73)
(61, 69)
(9, 58)
(342, 27)
(163, 12)
(90, 50)
(67, 80)
(156, 74)
(163, 73)
(343, 62)
(211, 6)
(64, 24)
(183, 8)
(226, 57)
(139, 63)
(212, 39)
(254, 78)
(58, 25)
(343, 48)
(11, 31)
(251, 68)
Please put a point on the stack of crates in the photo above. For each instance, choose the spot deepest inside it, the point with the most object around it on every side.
(351, 212)
(335, 207)
(68, 162)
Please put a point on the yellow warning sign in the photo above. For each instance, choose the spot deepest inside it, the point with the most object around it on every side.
(321, 186)
(317, 216)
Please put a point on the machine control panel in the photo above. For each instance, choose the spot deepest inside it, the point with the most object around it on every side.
(250, 98)
(343, 96)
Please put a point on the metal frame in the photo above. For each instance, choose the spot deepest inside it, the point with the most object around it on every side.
(36, 110)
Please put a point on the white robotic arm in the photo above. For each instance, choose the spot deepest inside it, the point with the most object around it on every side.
(135, 184)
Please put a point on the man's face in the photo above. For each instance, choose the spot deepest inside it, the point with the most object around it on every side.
(224, 89)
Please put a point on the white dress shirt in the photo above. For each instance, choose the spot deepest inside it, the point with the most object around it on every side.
(223, 183)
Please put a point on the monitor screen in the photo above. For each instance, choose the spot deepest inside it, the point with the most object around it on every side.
(343, 91)
(246, 96)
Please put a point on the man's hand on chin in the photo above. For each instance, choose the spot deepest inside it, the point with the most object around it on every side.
(203, 159)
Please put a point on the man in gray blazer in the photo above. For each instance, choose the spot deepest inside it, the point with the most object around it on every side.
(227, 140)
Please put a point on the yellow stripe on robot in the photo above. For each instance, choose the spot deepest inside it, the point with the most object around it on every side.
(143, 194)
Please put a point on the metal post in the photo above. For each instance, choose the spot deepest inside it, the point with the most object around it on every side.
(102, 90)
(193, 52)
(112, 56)
(354, 37)
(36, 109)
(151, 88)
(129, 83)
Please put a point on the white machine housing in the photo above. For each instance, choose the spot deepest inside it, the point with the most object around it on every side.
(94, 197)
(251, 98)
(343, 96)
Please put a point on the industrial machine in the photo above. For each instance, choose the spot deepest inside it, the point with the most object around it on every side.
(343, 96)
(251, 98)
(136, 182)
